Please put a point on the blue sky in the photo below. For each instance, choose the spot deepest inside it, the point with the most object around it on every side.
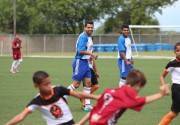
(170, 15)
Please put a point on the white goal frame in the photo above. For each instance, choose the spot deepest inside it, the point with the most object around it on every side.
(147, 27)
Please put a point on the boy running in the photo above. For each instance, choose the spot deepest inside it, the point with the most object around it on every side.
(114, 102)
(50, 102)
(174, 68)
(16, 52)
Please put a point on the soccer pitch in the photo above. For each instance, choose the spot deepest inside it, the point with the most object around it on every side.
(17, 90)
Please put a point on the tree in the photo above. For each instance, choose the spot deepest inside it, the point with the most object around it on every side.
(136, 12)
(52, 16)
(68, 16)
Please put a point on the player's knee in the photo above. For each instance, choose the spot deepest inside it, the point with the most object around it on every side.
(75, 85)
(88, 83)
(96, 87)
(172, 114)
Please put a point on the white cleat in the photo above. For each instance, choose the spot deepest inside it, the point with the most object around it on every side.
(87, 108)
(12, 71)
(16, 70)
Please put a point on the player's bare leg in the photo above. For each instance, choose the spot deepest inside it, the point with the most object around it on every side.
(18, 65)
(166, 120)
(12, 70)
(87, 89)
(75, 84)
(94, 88)
(122, 82)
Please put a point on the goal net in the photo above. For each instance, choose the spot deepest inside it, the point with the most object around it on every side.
(154, 40)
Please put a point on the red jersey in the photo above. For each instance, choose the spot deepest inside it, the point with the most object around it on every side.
(16, 48)
(16, 45)
(113, 103)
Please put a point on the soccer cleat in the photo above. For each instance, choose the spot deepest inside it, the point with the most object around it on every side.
(87, 108)
(12, 71)
(16, 70)
(90, 106)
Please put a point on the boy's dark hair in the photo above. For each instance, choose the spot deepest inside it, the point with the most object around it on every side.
(177, 44)
(88, 22)
(136, 77)
(124, 26)
(39, 76)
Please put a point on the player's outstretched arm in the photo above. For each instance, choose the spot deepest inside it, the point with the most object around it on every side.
(83, 95)
(164, 90)
(20, 117)
(162, 77)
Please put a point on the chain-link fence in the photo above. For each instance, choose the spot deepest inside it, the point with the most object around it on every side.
(64, 44)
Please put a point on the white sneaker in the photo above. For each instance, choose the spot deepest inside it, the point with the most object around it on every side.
(90, 106)
(16, 70)
(12, 71)
(87, 108)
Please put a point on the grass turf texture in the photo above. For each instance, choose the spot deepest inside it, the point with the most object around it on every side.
(111, 54)
(17, 90)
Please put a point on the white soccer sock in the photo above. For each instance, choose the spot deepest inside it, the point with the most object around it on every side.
(13, 65)
(21, 60)
(87, 90)
(71, 87)
(17, 64)
(122, 82)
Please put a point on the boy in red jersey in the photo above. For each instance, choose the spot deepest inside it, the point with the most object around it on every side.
(16, 52)
(114, 102)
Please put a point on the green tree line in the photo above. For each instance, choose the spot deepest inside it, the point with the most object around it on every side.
(68, 16)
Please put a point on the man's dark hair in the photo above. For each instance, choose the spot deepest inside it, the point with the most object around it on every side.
(88, 22)
(177, 44)
(39, 76)
(124, 26)
(136, 77)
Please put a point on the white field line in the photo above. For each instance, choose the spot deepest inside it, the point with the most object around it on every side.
(103, 57)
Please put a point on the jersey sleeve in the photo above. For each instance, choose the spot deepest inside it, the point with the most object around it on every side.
(32, 106)
(168, 67)
(82, 43)
(121, 44)
(134, 101)
(139, 102)
(62, 91)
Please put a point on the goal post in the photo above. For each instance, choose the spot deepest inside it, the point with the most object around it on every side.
(153, 37)
(153, 26)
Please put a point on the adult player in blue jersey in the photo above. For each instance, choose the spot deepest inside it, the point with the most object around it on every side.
(125, 62)
(81, 69)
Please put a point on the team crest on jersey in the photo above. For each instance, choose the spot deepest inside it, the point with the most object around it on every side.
(56, 111)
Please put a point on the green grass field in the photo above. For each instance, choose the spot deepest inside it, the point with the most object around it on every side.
(107, 54)
(16, 90)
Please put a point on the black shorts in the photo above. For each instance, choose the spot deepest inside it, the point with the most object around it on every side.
(175, 98)
(94, 79)
(71, 122)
